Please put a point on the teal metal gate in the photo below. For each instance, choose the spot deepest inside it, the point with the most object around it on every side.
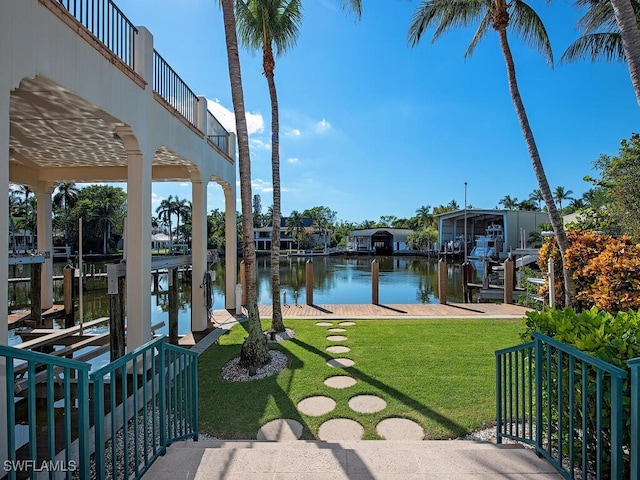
(568, 405)
(111, 423)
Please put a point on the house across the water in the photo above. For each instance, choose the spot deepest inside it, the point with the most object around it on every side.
(378, 241)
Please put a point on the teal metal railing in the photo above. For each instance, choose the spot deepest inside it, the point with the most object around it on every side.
(45, 436)
(133, 408)
(564, 402)
(149, 398)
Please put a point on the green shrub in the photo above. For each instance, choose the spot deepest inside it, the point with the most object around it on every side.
(611, 338)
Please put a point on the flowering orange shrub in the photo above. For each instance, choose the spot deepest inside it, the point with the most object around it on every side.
(606, 270)
(550, 249)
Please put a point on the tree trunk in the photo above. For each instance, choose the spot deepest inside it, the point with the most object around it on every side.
(538, 169)
(628, 24)
(277, 324)
(254, 351)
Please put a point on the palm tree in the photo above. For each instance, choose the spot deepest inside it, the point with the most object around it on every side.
(270, 25)
(560, 194)
(182, 210)
(508, 203)
(424, 217)
(295, 225)
(628, 24)
(603, 36)
(165, 210)
(254, 352)
(536, 196)
(446, 15)
(66, 196)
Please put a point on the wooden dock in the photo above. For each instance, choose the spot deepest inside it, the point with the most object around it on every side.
(449, 310)
(23, 319)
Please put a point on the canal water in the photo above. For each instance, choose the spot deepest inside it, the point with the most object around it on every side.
(337, 280)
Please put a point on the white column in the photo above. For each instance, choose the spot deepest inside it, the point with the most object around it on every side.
(43, 193)
(199, 315)
(4, 254)
(138, 245)
(231, 246)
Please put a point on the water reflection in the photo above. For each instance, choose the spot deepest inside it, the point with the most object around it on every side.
(336, 280)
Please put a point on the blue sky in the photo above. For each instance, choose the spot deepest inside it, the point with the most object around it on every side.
(371, 127)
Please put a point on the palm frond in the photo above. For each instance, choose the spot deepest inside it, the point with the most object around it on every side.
(444, 15)
(605, 45)
(248, 25)
(600, 16)
(483, 28)
(288, 27)
(354, 6)
(262, 22)
(526, 23)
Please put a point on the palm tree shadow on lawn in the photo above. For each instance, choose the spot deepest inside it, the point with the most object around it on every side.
(254, 396)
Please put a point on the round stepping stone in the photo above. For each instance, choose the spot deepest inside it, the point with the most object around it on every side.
(280, 430)
(399, 429)
(347, 324)
(336, 338)
(341, 362)
(324, 324)
(340, 381)
(338, 349)
(316, 406)
(366, 403)
(337, 330)
(340, 429)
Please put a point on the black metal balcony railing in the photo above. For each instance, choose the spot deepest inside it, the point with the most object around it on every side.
(107, 23)
(217, 133)
(111, 27)
(168, 84)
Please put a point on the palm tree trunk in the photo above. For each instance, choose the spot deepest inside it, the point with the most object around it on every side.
(277, 324)
(538, 169)
(627, 22)
(254, 351)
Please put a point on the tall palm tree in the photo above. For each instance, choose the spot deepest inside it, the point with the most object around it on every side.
(602, 35)
(66, 196)
(271, 26)
(254, 351)
(424, 217)
(628, 24)
(536, 196)
(508, 202)
(446, 15)
(560, 194)
(182, 210)
(165, 211)
(295, 225)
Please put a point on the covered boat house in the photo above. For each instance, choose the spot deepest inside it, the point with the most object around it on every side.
(516, 225)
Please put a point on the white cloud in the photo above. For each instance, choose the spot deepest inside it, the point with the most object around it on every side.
(323, 126)
(184, 184)
(293, 160)
(255, 122)
(261, 186)
(256, 142)
(292, 132)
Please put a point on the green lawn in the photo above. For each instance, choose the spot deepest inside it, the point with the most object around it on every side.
(437, 372)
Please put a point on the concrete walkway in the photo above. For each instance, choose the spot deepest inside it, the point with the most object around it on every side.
(353, 460)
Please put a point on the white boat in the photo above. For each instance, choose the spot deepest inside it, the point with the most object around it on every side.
(488, 245)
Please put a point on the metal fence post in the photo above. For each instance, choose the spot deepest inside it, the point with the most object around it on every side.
(634, 365)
